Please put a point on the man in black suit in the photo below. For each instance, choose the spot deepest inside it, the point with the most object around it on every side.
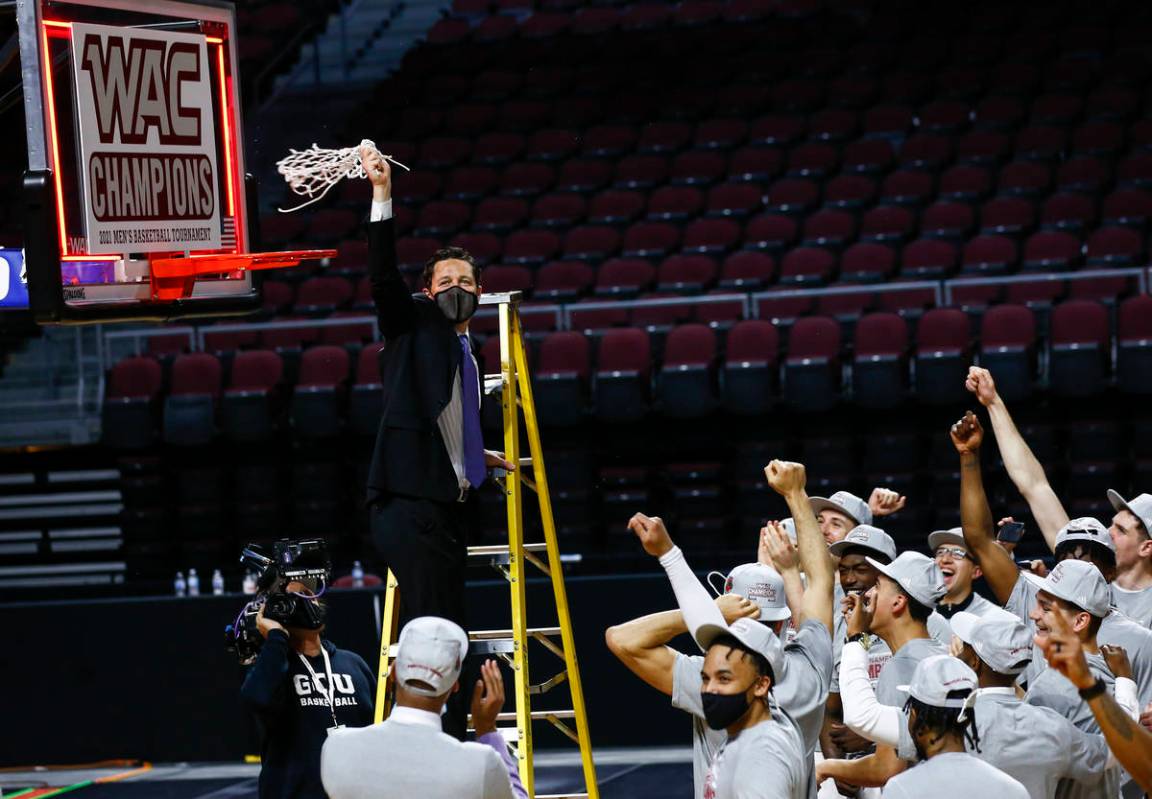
(429, 457)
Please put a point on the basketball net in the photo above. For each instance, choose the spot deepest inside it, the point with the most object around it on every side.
(313, 172)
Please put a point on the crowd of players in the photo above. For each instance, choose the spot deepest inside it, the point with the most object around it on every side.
(904, 680)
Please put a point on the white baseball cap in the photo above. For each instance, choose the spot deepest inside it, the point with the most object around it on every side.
(1085, 528)
(431, 650)
(917, 574)
(1140, 507)
(941, 681)
(868, 537)
(850, 505)
(760, 583)
(939, 538)
(999, 638)
(757, 637)
(1077, 582)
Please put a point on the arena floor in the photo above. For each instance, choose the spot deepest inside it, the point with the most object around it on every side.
(623, 774)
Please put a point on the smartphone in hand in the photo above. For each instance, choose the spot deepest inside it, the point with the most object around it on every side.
(1010, 533)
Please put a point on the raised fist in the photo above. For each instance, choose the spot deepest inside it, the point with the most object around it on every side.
(377, 167)
(652, 533)
(885, 502)
(967, 434)
(981, 384)
(785, 476)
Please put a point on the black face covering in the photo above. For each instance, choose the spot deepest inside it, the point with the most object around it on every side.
(722, 710)
(308, 614)
(456, 304)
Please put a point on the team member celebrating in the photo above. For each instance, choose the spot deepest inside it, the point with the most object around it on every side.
(1130, 530)
(959, 568)
(801, 684)
(763, 755)
(940, 723)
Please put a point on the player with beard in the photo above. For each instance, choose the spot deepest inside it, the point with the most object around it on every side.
(941, 722)
(300, 687)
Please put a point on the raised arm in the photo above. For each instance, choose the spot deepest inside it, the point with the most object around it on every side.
(975, 516)
(1129, 742)
(788, 479)
(777, 551)
(395, 308)
(1026, 472)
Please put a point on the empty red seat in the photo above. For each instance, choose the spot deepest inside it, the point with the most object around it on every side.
(470, 183)
(982, 147)
(965, 182)
(1056, 109)
(623, 373)
(1134, 345)
(906, 187)
(812, 368)
(130, 403)
(880, 366)
(322, 295)
(1024, 179)
(584, 175)
(1007, 349)
(624, 277)
(888, 121)
(733, 200)
(686, 273)
(750, 361)
(887, 224)
(988, 255)
(664, 137)
(1084, 174)
(499, 148)
(332, 224)
(531, 247)
(812, 160)
(687, 386)
(1036, 294)
(440, 152)
(1099, 138)
(928, 259)
(711, 236)
(1008, 216)
(615, 207)
(925, 151)
(849, 191)
(562, 378)
(252, 402)
(1114, 246)
(650, 240)
(563, 280)
(675, 203)
(442, 218)
(720, 134)
(1070, 212)
(832, 125)
(792, 196)
(641, 171)
(552, 145)
(698, 168)
(590, 242)
(829, 228)
(770, 232)
(754, 164)
(190, 407)
(947, 220)
(747, 271)
(777, 129)
(484, 247)
(1051, 250)
(1136, 171)
(867, 262)
(499, 279)
(500, 214)
(1129, 207)
(807, 266)
(943, 343)
(527, 179)
(945, 116)
(607, 141)
(1000, 112)
(1040, 143)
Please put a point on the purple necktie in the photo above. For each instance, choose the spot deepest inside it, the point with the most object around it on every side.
(474, 468)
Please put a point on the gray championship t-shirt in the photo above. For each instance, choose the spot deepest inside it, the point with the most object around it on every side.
(1053, 690)
(1116, 630)
(762, 762)
(878, 654)
(1035, 745)
(1136, 605)
(898, 671)
(953, 774)
(939, 626)
(801, 692)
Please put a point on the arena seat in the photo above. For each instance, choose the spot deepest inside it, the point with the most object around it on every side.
(251, 402)
(1134, 345)
(320, 393)
(1080, 348)
(131, 403)
(562, 377)
(686, 382)
(942, 355)
(1008, 349)
(622, 389)
(190, 407)
(812, 368)
(749, 381)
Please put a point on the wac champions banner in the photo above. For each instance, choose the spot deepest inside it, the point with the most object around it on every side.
(147, 144)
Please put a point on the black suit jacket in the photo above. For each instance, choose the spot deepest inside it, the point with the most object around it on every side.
(418, 365)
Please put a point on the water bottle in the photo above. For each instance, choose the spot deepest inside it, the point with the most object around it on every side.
(217, 583)
(181, 585)
(193, 583)
(357, 575)
(249, 586)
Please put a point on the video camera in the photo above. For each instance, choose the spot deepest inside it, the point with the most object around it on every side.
(304, 561)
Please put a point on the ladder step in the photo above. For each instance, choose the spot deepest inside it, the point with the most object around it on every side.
(540, 715)
(561, 796)
(491, 642)
(500, 554)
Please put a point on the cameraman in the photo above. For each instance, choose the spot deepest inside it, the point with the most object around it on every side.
(300, 687)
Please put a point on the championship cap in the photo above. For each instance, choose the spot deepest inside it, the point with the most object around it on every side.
(850, 505)
(953, 536)
(917, 574)
(999, 638)
(431, 650)
(1085, 528)
(868, 537)
(760, 583)
(1077, 582)
(938, 676)
(1140, 507)
(757, 637)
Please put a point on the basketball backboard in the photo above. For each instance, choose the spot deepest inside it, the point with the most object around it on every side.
(137, 203)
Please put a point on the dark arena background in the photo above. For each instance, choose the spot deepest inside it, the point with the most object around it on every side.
(743, 230)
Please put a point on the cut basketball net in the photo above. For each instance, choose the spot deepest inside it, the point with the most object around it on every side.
(313, 172)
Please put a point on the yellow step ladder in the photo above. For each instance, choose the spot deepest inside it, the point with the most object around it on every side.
(512, 560)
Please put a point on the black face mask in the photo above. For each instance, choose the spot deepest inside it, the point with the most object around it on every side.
(722, 710)
(308, 614)
(456, 304)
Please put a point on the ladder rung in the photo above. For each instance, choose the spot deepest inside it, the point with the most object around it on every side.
(540, 715)
(490, 642)
(500, 554)
(561, 796)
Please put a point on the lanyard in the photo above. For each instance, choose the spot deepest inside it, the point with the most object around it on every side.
(329, 687)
